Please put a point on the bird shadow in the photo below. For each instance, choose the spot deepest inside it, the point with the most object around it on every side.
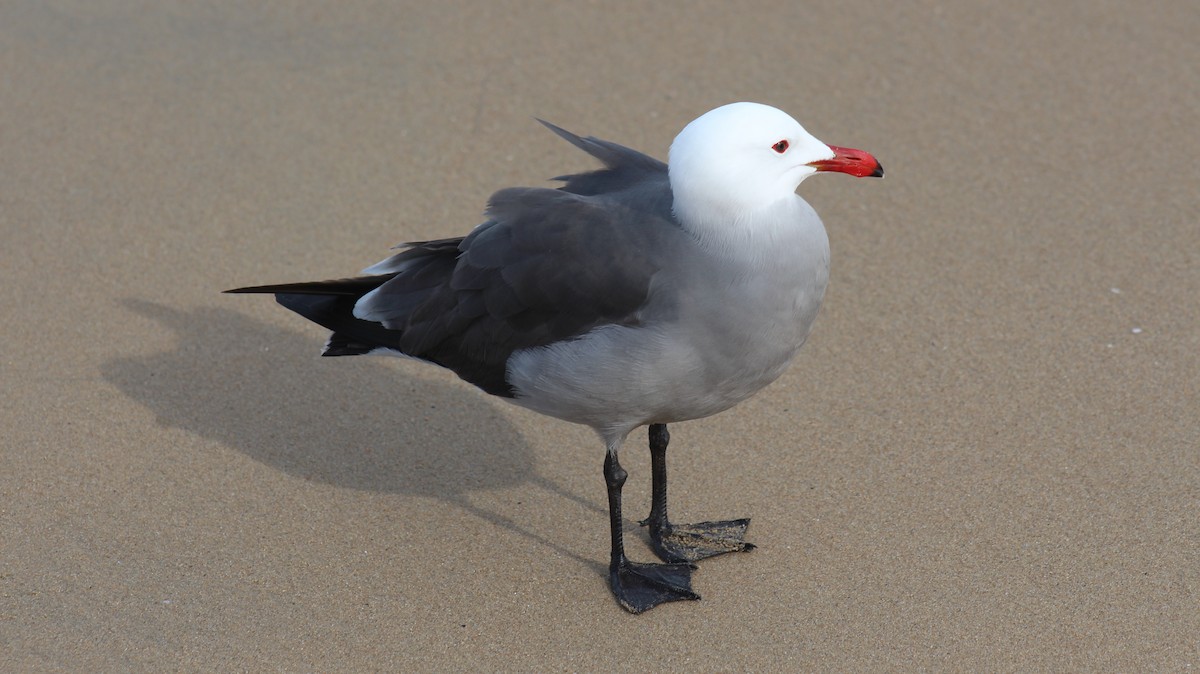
(253, 387)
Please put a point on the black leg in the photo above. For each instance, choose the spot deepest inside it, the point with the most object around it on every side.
(685, 542)
(638, 587)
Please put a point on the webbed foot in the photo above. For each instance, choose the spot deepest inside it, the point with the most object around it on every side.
(693, 542)
(640, 587)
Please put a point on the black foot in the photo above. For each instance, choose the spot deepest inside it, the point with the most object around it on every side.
(641, 587)
(692, 542)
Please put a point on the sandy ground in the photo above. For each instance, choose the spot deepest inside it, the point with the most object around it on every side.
(987, 457)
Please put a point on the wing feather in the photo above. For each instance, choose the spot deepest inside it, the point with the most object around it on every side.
(547, 265)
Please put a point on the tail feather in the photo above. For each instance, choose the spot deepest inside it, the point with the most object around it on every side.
(356, 287)
(330, 304)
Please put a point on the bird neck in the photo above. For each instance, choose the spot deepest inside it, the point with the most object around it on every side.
(738, 231)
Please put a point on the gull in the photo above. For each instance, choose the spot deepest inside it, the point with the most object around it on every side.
(638, 294)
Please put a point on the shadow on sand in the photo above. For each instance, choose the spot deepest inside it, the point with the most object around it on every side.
(261, 390)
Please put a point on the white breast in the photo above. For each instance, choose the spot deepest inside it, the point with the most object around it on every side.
(722, 322)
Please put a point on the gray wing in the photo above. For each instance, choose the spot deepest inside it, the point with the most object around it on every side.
(625, 169)
(548, 265)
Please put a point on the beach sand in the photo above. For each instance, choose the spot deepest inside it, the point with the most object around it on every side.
(986, 458)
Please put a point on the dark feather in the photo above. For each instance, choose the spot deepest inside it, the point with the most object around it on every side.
(355, 287)
(624, 168)
(542, 269)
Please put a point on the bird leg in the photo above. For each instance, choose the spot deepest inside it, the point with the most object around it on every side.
(639, 587)
(685, 542)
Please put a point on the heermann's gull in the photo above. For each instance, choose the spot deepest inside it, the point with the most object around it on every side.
(636, 294)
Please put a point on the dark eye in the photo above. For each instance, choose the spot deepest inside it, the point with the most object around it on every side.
(780, 147)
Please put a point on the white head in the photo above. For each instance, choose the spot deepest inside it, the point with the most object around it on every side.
(744, 157)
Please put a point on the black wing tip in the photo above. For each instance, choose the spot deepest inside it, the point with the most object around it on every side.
(333, 352)
(347, 287)
(342, 344)
(247, 290)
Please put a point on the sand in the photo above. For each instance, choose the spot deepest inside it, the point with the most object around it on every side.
(986, 458)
